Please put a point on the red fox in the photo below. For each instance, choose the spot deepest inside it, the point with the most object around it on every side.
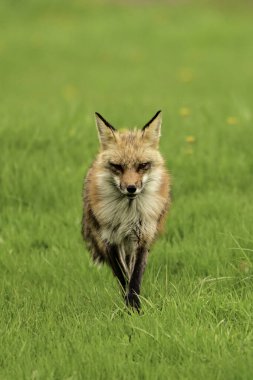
(126, 198)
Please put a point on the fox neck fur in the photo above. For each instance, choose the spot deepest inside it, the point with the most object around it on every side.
(123, 218)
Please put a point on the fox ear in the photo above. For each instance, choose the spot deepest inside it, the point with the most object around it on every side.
(152, 130)
(106, 131)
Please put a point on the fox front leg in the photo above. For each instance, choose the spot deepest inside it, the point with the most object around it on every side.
(113, 260)
(132, 297)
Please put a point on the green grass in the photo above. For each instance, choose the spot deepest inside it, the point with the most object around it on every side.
(62, 318)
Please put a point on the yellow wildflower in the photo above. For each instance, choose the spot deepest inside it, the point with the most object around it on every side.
(232, 120)
(190, 139)
(184, 111)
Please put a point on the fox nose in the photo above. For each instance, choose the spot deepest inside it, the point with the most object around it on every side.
(131, 189)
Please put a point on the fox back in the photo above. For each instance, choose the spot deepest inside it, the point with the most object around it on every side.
(126, 199)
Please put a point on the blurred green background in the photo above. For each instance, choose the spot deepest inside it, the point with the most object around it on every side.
(60, 61)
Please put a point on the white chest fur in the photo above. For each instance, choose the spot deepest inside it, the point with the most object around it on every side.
(122, 218)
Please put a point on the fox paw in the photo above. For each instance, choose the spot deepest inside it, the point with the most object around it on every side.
(132, 300)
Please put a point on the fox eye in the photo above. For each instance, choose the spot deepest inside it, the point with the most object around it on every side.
(144, 166)
(116, 167)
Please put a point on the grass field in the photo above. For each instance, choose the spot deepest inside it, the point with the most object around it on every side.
(61, 317)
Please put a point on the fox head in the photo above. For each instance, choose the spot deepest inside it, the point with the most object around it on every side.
(130, 161)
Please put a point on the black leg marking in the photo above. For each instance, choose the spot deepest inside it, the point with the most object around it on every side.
(132, 298)
(114, 263)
